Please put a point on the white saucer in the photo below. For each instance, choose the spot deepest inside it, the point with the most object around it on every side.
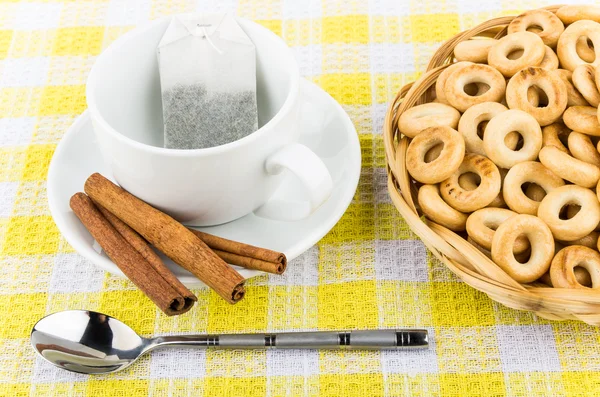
(328, 131)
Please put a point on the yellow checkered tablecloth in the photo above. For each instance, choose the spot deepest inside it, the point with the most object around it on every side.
(370, 271)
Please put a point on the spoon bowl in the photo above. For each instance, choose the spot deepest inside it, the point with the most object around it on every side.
(87, 342)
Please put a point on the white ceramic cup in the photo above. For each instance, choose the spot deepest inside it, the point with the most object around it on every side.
(204, 186)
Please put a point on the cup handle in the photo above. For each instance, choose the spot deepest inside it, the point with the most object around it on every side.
(312, 173)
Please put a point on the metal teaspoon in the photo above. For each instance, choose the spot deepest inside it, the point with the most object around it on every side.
(92, 343)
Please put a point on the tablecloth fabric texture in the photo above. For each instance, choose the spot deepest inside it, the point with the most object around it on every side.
(370, 271)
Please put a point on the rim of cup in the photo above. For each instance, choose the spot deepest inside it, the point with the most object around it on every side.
(96, 115)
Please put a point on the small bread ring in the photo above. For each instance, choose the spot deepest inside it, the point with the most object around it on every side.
(533, 52)
(556, 134)
(473, 50)
(532, 172)
(574, 97)
(554, 88)
(470, 181)
(440, 84)
(583, 119)
(471, 119)
(581, 275)
(582, 224)
(551, 25)
(534, 192)
(542, 247)
(550, 60)
(442, 167)
(570, 14)
(566, 48)
(438, 210)
(502, 125)
(584, 51)
(475, 73)
(567, 259)
(590, 241)
(582, 148)
(470, 200)
(482, 224)
(418, 118)
(585, 82)
(569, 168)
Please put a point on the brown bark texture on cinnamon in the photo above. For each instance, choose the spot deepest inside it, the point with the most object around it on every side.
(171, 298)
(142, 246)
(232, 252)
(244, 255)
(169, 236)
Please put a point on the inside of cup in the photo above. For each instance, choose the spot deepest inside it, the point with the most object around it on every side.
(126, 84)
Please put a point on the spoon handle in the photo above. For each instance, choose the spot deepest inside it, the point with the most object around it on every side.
(399, 339)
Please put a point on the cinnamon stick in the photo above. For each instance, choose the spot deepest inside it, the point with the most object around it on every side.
(244, 255)
(168, 236)
(130, 261)
(141, 246)
(251, 263)
(232, 258)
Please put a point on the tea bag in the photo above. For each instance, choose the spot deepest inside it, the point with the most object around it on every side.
(207, 67)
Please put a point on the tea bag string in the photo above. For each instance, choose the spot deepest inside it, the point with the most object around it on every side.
(207, 37)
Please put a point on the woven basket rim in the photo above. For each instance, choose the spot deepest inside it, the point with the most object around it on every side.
(463, 259)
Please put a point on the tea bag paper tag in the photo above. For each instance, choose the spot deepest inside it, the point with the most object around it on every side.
(207, 68)
(202, 24)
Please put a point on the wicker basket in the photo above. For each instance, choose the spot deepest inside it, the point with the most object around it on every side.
(467, 262)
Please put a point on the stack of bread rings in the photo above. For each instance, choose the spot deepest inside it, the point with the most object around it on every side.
(507, 154)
